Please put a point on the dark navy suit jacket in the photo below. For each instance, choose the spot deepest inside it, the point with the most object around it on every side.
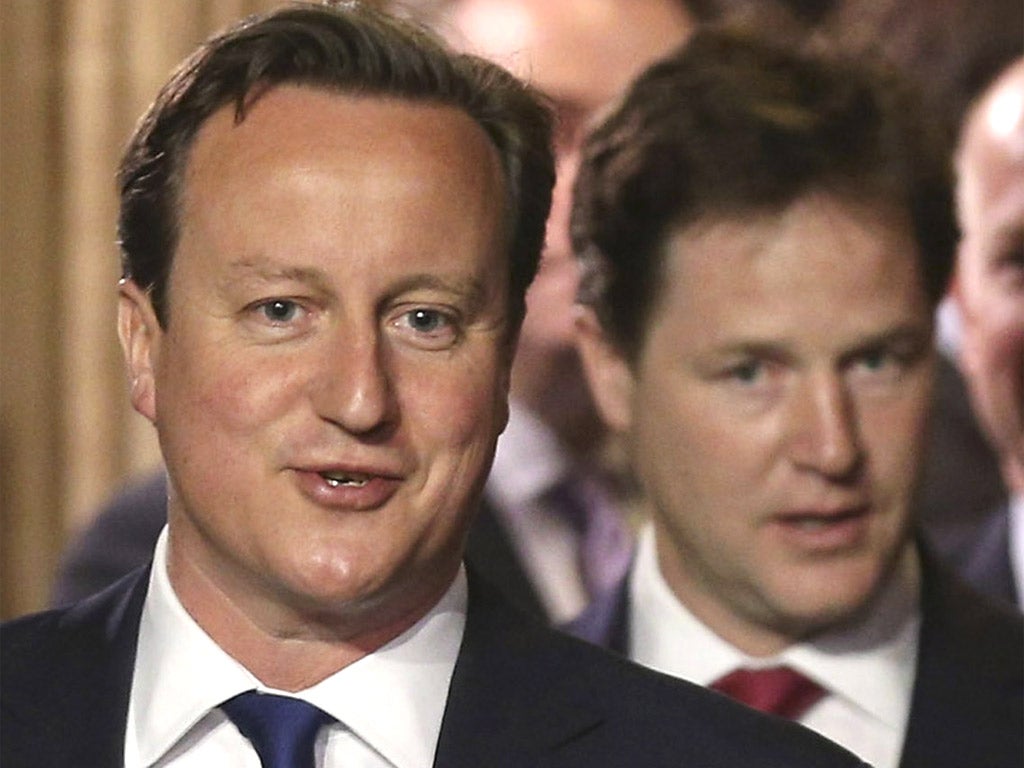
(522, 695)
(967, 707)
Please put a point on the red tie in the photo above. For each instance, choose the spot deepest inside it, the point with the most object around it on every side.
(778, 690)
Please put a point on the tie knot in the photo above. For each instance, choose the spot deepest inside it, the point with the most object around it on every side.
(778, 690)
(283, 730)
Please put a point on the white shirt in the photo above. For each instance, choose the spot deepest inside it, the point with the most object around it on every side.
(1017, 545)
(868, 669)
(388, 704)
(528, 462)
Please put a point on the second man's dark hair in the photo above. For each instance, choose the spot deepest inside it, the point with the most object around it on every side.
(733, 125)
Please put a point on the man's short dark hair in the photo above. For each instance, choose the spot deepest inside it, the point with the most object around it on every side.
(348, 48)
(731, 125)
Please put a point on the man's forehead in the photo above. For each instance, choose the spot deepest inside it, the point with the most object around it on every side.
(316, 131)
(813, 230)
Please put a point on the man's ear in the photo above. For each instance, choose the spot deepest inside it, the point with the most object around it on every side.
(954, 293)
(607, 372)
(140, 335)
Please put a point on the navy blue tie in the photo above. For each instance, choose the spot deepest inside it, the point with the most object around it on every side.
(282, 729)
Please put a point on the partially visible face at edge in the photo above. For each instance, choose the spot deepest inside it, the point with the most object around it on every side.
(334, 370)
(989, 283)
(777, 412)
(582, 54)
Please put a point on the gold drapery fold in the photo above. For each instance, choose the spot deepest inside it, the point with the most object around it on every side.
(74, 77)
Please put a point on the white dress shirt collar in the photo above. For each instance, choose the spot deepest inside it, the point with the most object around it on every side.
(870, 665)
(392, 699)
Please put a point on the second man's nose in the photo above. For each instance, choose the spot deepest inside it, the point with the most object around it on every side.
(824, 435)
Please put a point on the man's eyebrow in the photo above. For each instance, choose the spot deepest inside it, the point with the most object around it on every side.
(754, 347)
(906, 333)
(265, 270)
(472, 289)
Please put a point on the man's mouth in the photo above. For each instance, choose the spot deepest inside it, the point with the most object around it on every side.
(344, 479)
(817, 522)
(825, 529)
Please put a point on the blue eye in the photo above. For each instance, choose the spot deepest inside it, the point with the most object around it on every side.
(279, 310)
(427, 328)
(426, 320)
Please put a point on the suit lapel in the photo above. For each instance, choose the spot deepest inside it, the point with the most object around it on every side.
(967, 702)
(514, 700)
(99, 655)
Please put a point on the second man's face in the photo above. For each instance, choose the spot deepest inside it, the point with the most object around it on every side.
(776, 414)
(333, 374)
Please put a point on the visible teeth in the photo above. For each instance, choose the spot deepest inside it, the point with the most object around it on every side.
(349, 481)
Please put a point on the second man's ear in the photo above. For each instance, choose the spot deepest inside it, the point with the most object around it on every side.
(608, 374)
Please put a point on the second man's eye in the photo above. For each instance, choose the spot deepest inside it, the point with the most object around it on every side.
(748, 372)
(875, 359)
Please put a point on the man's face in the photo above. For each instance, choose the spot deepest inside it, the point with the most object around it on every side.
(990, 282)
(776, 414)
(333, 373)
(582, 54)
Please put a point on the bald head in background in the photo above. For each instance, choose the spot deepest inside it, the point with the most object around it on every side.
(990, 275)
(988, 290)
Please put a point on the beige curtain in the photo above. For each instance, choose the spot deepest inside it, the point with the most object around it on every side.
(74, 77)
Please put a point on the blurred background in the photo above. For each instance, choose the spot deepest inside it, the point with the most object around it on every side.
(74, 76)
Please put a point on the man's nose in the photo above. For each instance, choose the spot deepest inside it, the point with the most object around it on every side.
(353, 387)
(824, 435)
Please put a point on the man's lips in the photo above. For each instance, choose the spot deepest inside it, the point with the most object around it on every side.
(822, 516)
(824, 528)
(339, 477)
(357, 488)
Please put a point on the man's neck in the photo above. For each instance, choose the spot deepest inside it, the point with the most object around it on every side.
(284, 646)
(745, 632)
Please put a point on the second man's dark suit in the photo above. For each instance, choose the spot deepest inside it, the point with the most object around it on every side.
(967, 707)
(522, 695)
